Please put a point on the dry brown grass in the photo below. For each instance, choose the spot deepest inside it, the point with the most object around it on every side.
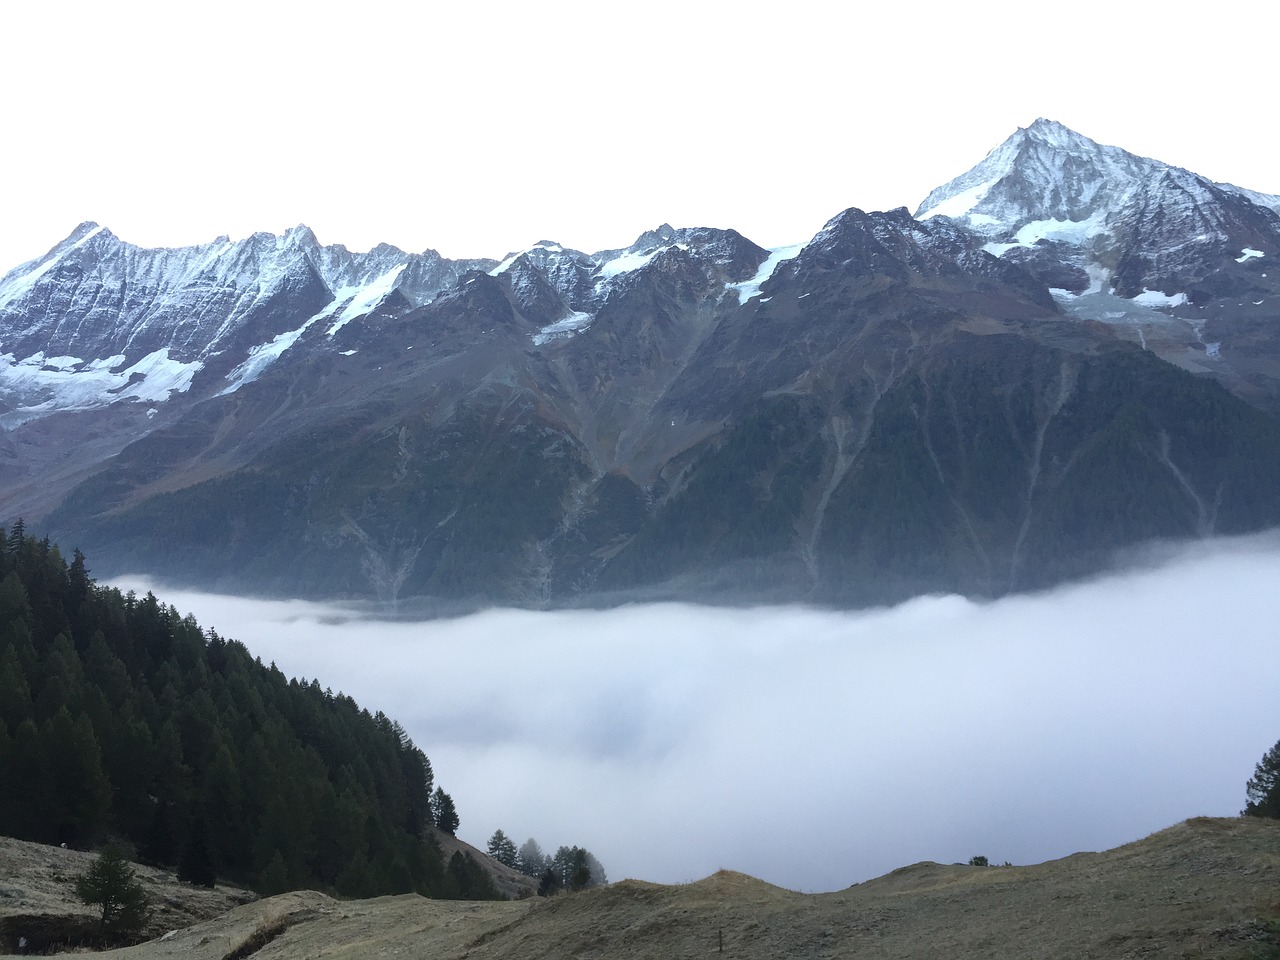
(1206, 888)
(270, 927)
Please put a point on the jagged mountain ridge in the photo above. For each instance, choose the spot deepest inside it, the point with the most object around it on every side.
(1169, 259)
(902, 404)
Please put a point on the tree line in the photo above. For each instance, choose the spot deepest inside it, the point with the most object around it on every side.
(122, 719)
(570, 868)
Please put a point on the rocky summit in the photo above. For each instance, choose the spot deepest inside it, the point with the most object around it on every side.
(1067, 351)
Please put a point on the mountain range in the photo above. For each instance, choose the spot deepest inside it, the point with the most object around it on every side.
(1065, 352)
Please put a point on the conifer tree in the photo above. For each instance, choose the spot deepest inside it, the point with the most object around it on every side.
(111, 885)
(532, 860)
(196, 864)
(503, 849)
(443, 812)
(1263, 788)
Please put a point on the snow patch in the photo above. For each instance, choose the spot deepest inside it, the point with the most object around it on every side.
(563, 329)
(351, 301)
(347, 353)
(1099, 279)
(1248, 253)
(505, 265)
(751, 288)
(265, 354)
(1074, 232)
(61, 386)
(1154, 298)
(959, 205)
(628, 262)
(366, 298)
(1212, 350)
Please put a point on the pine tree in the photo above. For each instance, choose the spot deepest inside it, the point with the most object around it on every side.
(532, 861)
(503, 849)
(443, 812)
(196, 864)
(111, 884)
(1263, 788)
(549, 883)
(75, 792)
(470, 879)
(576, 869)
(274, 877)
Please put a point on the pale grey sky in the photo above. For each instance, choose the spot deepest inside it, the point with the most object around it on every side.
(477, 130)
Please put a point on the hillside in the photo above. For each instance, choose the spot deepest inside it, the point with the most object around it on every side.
(1198, 889)
(37, 895)
(120, 718)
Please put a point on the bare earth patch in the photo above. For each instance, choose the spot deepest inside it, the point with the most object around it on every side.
(1196, 890)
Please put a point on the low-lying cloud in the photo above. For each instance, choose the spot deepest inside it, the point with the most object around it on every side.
(812, 748)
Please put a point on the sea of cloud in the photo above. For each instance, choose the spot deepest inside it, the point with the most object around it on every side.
(815, 748)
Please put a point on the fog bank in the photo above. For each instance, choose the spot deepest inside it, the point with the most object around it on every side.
(815, 749)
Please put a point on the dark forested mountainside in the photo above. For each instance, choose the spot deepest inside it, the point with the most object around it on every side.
(121, 719)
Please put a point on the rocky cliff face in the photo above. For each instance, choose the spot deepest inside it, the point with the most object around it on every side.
(992, 395)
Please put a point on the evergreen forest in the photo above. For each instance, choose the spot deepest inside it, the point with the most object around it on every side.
(122, 720)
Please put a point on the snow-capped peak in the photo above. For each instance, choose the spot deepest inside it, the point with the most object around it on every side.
(1042, 172)
(215, 307)
(543, 247)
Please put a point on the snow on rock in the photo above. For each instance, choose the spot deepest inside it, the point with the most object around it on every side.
(263, 355)
(17, 284)
(57, 384)
(1248, 253)
(351, 301)
(505, 265)
(1076, 232)
(751, 288)
(563, 329)
(365, 299)
(629, 261)
(1099, 279)
(961, 203)
(1154, 298)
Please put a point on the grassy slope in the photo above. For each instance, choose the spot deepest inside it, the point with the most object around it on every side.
(1194, 890)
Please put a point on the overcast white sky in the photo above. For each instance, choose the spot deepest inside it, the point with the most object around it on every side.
(813, 748)
(478, 129)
